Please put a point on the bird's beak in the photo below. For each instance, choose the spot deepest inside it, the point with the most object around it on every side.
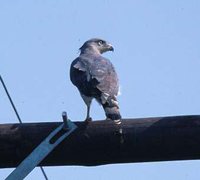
(110, 47)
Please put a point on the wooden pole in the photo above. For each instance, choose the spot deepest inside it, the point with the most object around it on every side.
(100, 142)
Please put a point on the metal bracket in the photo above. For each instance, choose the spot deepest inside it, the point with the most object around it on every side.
(43, 149)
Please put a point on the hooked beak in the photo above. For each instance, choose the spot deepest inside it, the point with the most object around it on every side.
(110, 47)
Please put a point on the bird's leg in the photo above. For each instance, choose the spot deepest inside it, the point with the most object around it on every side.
(88, 101)
(88, 118)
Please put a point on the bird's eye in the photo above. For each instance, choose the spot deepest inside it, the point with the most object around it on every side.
(100, 43)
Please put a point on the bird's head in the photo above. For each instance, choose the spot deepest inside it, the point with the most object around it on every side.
(96, 45)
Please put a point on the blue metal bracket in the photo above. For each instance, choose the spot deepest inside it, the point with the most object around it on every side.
(42, 150)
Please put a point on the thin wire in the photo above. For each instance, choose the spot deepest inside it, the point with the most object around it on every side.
(10, 99)
(44, 173)
(18, 117)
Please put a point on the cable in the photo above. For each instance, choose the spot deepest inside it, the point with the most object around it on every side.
(18, 117)
(44, 173)
(10, 99)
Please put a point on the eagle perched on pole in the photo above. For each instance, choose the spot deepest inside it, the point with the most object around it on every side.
(96, 78)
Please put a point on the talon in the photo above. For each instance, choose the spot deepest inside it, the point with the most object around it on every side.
(108, 119)
(88, 119)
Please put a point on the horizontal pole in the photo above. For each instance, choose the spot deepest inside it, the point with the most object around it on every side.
(102, 142)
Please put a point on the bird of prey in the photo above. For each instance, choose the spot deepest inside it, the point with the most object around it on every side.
(96, 78)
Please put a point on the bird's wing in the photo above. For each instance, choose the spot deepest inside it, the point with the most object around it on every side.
(104, 72)
(81, 77)
(96, 73)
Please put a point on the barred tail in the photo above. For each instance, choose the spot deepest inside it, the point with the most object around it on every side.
(111, 109)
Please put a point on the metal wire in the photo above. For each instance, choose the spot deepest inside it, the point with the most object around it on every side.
(18, 117)
(10, 99)
(44, 173)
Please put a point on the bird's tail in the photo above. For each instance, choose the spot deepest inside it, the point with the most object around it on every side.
(111, 109)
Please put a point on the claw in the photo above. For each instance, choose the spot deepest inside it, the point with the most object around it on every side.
(88, 119)
(108, 119)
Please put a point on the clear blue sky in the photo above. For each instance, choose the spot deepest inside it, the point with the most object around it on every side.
(157, 57)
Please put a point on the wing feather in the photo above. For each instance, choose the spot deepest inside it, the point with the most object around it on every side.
(94, 76)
